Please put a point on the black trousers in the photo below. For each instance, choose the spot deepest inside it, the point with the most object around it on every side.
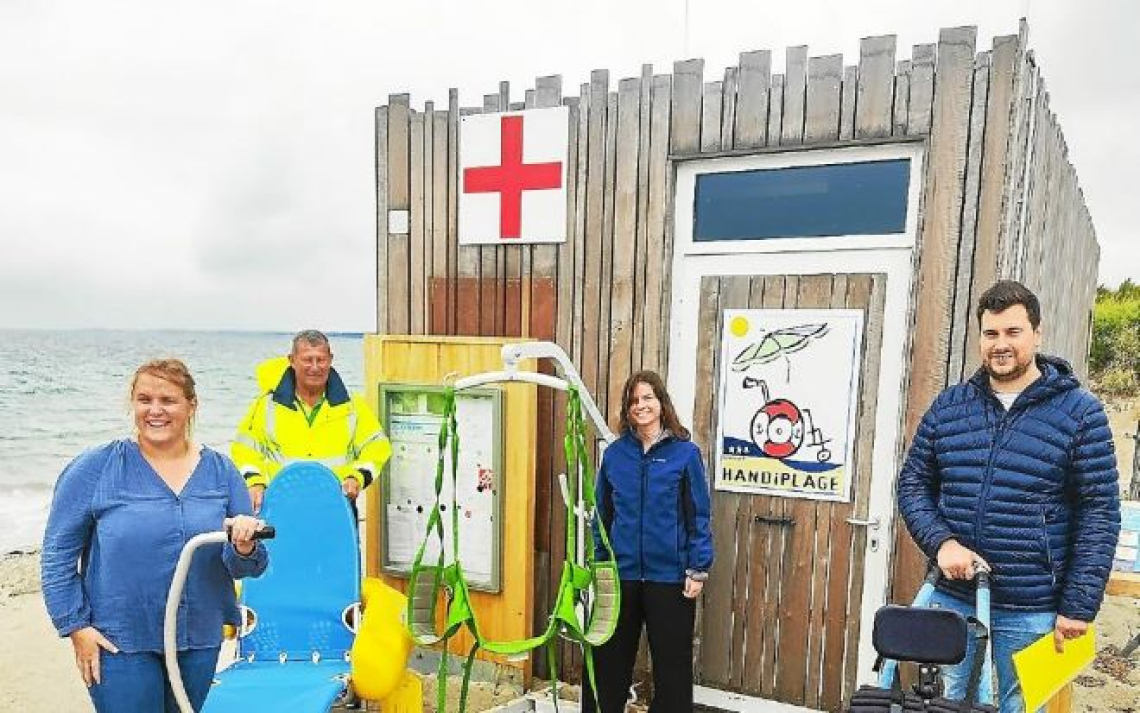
(668, 618)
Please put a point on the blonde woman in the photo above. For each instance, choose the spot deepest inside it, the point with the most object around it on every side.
(120, 515)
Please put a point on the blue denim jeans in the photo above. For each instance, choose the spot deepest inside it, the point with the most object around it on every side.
(1010, 632)
(137, 682)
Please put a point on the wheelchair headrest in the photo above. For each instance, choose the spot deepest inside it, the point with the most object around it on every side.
(920, 634)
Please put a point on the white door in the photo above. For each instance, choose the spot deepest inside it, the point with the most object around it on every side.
(796, 580)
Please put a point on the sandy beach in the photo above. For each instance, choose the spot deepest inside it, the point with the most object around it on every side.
(37, 671)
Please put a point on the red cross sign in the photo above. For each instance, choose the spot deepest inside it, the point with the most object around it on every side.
(513, 171)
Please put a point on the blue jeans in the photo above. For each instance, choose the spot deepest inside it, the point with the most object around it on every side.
(137, 682)
(1010, 632)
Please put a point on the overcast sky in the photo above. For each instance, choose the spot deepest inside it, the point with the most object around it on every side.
(209, 164)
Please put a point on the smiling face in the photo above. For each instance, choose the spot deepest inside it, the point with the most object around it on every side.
(1008, 346)
(311, 363)
(162, 411)
(644, 409)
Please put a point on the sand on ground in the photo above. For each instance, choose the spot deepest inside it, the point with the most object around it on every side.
(37, 669)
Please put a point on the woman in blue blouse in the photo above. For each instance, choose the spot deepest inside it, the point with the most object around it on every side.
(119, 518)
(654, 500)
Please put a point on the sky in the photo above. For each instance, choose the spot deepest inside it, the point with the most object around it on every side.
(210, 164)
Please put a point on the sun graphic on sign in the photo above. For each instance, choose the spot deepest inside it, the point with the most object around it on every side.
(738, 326)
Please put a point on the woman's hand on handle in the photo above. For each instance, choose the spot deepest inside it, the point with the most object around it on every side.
(242, 529)
(87, 642)
(693, 587)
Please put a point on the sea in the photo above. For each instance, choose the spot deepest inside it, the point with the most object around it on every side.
(62, 392)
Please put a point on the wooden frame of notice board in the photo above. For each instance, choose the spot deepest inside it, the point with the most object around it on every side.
(412, 415)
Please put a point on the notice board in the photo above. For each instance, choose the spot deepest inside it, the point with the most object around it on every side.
(413, 416)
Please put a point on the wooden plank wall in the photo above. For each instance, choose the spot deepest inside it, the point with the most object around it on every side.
(999, 199)
(1051, 242)
(1002, 200)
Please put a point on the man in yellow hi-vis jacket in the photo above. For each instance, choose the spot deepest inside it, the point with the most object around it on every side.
(305, 413)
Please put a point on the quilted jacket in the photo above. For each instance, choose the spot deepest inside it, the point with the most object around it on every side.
(1034, 490)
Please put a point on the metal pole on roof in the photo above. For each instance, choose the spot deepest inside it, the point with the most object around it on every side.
(685, 42)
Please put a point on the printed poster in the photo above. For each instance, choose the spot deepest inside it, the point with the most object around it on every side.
(788, 402)
(411, 489)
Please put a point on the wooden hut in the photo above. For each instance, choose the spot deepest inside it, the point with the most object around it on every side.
(989, 193)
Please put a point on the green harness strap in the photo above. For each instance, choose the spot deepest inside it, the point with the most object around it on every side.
(426, 581)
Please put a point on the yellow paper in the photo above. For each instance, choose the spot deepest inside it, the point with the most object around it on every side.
(1043, 672)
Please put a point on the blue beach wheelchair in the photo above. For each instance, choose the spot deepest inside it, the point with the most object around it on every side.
(300, 617)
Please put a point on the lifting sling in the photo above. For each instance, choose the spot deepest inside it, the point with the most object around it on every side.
(592, 586)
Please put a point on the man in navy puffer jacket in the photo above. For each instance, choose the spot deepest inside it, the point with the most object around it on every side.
(1015, 470)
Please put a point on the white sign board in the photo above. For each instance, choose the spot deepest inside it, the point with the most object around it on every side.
(512, 177)
(788, 402)
(410, 494)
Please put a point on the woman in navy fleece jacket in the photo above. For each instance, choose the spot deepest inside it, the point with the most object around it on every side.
(654, 500)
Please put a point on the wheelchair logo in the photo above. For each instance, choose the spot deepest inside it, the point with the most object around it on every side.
(779, 426)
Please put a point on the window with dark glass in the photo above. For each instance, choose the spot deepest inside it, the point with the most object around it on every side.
(866, 198)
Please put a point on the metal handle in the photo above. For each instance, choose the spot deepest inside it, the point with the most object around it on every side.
(874, 523)
(774, 520)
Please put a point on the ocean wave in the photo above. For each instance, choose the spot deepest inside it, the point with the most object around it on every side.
(24, 513)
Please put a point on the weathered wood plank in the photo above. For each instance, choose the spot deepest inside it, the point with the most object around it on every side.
(728, 107)
(605, 296)
(578, 296)
(399, 185)
(711, 107)
(595, 228)
(921, 89)
(753, 82)
(381, 219)
(500, 252)
(821, 118)
(655, 337)
(847, 112)
(1013, 199)
(621, 323)
(399, 111)
(417, 248)
(775, 109)
(876, 87)
(686, 107)
(996, 164)
(440, 248)
(640, 297)
(466, 308)
(451, 169)
(795, 95)
(902, 99)
(961, 325)
(684, 139)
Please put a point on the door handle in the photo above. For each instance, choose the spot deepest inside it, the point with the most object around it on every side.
(774, 520)
(873, 524)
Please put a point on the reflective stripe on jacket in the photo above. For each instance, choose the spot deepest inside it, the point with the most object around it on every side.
(344, 436)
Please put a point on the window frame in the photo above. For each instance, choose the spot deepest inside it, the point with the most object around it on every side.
(686, 178)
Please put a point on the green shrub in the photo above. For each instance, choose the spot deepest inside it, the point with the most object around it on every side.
(1114, 355)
